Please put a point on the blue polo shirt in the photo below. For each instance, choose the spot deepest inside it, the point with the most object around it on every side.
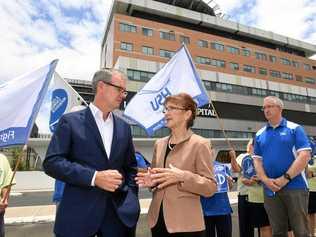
(278, 148)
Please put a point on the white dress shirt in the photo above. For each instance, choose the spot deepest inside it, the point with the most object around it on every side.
(106, 130)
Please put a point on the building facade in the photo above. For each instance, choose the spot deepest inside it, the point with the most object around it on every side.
(239, 65)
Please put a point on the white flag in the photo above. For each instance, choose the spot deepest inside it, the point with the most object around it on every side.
(20, 100)
(63, 100)
(178, 75)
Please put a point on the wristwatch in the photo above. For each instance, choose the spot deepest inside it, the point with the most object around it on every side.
(287, 176)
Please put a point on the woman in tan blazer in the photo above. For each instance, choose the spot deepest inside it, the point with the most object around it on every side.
(180, 174)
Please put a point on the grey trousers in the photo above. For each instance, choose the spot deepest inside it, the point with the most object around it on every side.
(288, 206)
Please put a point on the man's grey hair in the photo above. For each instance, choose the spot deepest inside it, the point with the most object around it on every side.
(277, 101)
(104, 74)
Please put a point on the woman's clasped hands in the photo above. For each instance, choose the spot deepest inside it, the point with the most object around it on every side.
(159, 177)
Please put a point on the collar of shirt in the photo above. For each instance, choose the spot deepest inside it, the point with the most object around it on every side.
(281, 124)
(105, 127)
(97, 113)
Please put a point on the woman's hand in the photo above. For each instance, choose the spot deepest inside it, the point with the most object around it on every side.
(230, 181)
(3, 204)
(249, 182)
(144, 180)
(167, 176)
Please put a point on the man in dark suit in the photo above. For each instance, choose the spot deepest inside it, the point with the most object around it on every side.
(92, 152)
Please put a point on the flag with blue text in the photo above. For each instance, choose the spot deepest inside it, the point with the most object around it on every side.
(177, 76)
(20, 100)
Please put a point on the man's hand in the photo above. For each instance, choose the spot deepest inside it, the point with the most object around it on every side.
(272, 184)
(167, 176)
(108, 180)
(281, 181)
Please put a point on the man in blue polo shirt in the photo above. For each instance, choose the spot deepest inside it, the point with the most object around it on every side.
(281, 153)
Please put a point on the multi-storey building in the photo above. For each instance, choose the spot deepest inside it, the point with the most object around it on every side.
(238, 64)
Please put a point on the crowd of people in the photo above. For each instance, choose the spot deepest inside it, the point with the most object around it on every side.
(92, 154)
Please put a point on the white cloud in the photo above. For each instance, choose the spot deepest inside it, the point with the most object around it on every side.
(35, 32)
(295, 18)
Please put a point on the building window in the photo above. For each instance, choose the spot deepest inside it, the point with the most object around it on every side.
(272, 58)
(274, 93)
(148, 50)
(217, 46)
(307, 67)
(250, 91)
(202, 43)
(246, 52)
(136, 75)
(184, 39)
(234, 66)
(126, 46)
(167, 35)
(287, 76)
(127, 28)
(233, 50)
(147, 31)
(248, 68)
(203, 60)
(263, 71)
(295, 64)
(224, 87)
(295, 98)
(218, 63)
(166, 53)
(274, 73)
(258, 92)
(261, 56)
(207, 84)
(310, 80)
(285, 61)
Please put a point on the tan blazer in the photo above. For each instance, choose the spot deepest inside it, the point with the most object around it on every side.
(181, 202)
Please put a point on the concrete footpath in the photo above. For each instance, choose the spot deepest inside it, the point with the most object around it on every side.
(46, 213)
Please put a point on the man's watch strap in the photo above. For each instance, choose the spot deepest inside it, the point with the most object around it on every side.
(287, 176)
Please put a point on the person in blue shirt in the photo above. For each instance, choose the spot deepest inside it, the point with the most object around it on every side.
(281, 154)
(216, 209)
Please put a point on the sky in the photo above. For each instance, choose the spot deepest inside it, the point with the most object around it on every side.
(34, 32)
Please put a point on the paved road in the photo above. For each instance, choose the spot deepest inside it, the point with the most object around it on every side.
(45, 229)
(45, 198)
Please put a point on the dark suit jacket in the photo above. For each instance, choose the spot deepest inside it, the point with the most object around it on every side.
(75, 152)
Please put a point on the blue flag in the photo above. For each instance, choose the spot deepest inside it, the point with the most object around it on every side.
(20, 100)
(248, 167)
(178, 75)
(221, 172)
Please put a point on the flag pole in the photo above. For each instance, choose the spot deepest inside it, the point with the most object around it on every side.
(6, 196)
(230, 145)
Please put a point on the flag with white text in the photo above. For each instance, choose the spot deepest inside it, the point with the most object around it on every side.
(177, 76)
